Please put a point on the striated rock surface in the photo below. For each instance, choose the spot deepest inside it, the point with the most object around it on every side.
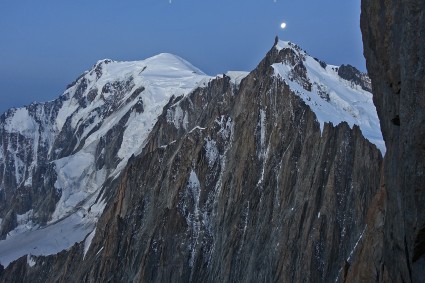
(394, 246)
(238, 181)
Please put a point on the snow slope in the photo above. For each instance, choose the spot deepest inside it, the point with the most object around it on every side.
(161, 76)
(332, 98)
(50, 239)
(104, 97)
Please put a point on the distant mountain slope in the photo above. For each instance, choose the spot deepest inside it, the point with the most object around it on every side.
(235, 178)
(56, 157)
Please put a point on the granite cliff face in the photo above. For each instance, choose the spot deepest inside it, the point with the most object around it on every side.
(243, 179)
(394, 247)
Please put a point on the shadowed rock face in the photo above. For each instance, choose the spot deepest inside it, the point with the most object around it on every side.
(243, 188)
(350, 73)
(394, 246)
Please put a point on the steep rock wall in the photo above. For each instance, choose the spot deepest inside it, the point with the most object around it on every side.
(394, 246)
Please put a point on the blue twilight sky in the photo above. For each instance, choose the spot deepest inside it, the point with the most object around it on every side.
(44, 45)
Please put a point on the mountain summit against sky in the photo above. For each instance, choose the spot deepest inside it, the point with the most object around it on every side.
(56, 156)
(152, 171)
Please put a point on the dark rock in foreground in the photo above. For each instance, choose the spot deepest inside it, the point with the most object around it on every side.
(394, 246)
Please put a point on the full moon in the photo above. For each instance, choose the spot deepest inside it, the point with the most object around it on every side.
(283, 25)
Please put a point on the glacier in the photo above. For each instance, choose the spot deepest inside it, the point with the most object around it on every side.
(78, 179)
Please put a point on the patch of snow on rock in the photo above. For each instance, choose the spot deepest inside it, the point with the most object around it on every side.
(21, 122)
(30, 261)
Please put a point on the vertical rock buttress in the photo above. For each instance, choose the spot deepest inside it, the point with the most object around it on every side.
(394, 246)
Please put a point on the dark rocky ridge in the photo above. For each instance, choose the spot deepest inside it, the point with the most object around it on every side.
(394, 246)
(350, 73)
(230, 196)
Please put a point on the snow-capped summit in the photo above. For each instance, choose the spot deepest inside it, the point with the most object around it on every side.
(68, 148)
(329, 93)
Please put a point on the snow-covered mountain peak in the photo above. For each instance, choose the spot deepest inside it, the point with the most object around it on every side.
(335, 93)
(122, 97)
(71, 146)
(159, 68)
(170, 62)
(281, 44)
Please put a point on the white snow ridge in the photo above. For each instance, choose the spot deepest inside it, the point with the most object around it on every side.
(344, 101)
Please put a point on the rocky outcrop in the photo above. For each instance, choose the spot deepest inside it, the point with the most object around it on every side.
(236, 183)
(353, 75)
(394, 246)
